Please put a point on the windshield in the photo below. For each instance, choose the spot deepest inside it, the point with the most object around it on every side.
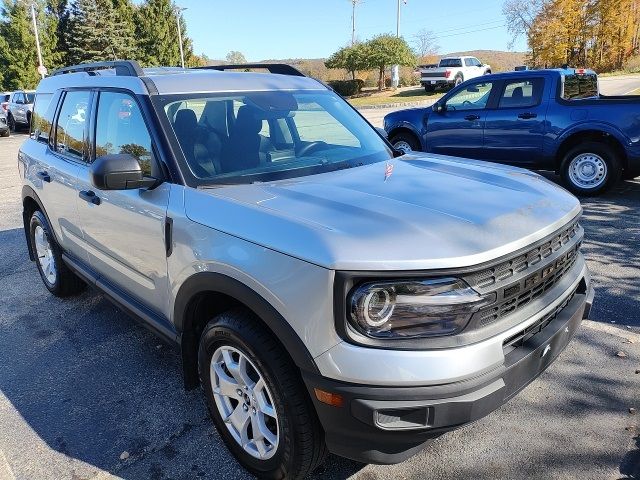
(451, 62)
(264, 136)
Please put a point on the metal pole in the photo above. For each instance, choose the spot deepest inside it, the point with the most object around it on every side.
(353, 22)
(395, 73)
(178, 14)
(35, 30)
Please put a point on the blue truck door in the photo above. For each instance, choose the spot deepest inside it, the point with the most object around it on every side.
(458, 129)
(514, 129)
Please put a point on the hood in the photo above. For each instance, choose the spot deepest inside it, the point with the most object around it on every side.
(433, 212)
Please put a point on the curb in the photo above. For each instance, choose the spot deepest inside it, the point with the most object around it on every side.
(397, 104)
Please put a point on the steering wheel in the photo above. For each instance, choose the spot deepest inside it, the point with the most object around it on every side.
(467, 102)
(310, 146)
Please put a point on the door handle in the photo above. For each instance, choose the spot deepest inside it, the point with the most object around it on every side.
(44, 176)
(472, 117)
(89, 196)
(527, 115)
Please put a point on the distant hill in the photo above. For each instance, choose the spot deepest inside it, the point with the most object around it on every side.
(500, 61)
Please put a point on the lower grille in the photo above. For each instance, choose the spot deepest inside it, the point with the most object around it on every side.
(521, 337)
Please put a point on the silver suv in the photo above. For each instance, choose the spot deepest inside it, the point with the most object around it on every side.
(325, 293)
(19, 108)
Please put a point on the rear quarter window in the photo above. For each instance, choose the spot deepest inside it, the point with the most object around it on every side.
(576, 87)
(42, 117)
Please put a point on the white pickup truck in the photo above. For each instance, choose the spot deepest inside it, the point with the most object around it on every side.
(452, 71)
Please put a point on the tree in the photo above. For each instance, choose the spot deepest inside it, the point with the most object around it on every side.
(520, 15)
(426, 43)
(157, 33)
(385, 50)
(18, 54)
(99, 33)
(234, 57)
(352, 59)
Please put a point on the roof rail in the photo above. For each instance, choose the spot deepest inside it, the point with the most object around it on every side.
(279, 68)
(123, 68)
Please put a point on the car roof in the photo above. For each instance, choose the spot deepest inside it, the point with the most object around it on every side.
(170, 80)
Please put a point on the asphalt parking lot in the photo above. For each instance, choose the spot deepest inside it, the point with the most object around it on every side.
(87, 393)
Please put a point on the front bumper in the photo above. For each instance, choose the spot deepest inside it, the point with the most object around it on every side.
(390, 424)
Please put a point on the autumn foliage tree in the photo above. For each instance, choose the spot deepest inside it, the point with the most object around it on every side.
(602, 34)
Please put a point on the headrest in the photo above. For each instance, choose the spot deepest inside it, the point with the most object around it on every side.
(248, 120)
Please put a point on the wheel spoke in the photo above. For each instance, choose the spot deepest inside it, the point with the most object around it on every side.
(239, 419)
(224, 384)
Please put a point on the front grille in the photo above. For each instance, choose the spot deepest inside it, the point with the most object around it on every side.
(517, 282)
(522, 336)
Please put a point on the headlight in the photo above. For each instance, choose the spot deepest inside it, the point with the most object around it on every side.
(413, 308)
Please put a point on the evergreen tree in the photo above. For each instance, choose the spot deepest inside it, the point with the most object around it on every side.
(18, 54)
(99, 33)
(157, 33)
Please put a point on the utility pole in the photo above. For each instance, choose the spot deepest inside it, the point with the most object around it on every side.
(354, 3)
(178, 16)
(395, 70)
(41, 69)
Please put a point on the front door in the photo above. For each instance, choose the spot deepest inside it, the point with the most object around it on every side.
(458, 129)
(124, 230)
(514, 130)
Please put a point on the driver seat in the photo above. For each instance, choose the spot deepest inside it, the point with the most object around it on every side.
(242, 149)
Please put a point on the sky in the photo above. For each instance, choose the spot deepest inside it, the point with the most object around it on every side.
(280, 29)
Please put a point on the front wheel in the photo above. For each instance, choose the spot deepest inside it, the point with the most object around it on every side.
(257, 400)
(12, 123)
(590, 168)
(405, 142)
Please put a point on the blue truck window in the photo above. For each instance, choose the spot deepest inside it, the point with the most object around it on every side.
(522, 93)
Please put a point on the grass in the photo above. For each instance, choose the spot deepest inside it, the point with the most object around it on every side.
(409, 95)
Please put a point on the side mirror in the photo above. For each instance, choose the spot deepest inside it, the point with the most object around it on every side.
(383, 133)
(119, 172)
(439, 107)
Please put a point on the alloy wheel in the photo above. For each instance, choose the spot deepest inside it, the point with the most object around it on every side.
(44, 252)
(244, 402)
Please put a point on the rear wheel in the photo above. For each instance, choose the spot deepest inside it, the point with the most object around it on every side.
(458, 80)
(257, 400)
(590, 168)
(56, 276)
(429, 88)
(405, 142)
(5, 133)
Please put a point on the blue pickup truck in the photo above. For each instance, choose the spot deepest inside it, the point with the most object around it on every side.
(552, 119)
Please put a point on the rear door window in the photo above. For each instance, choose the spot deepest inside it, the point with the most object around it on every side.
(576, 87)
(42, 117)
(71, 125)
(522, 93)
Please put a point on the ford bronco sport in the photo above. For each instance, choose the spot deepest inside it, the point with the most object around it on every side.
(326, 294)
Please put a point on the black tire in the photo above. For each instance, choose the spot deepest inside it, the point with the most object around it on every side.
(407, 139)
(301, 447)
(429, 88)
(65, 282)
(608, 165)
(11, 122)
(457, 80)
(5, 133)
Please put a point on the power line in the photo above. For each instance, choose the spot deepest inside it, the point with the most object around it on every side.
(472, 31)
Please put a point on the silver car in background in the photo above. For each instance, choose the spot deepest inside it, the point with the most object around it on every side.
(326, 293)
(19, 108)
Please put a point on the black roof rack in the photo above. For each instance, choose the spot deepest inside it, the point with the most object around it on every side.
(278, 68)
(123, 68)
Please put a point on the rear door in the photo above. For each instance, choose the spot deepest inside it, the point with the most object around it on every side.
(52, 158)
(458, 130)
(514, 130)
(124, 230)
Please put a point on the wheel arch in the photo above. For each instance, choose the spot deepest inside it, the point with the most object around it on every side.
(605, 136)
(206, 294)
(30, 203)
(405, 128)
